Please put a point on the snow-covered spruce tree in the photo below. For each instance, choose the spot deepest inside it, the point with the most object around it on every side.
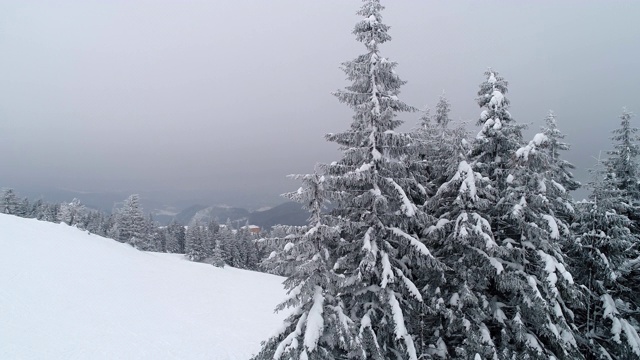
(603, 260)
(175, 237)
(436, 156)
(460, 308)
(559, 179)
(72, 213)
(217, 258)
(194, 242)
(622, 163)
(130, 222)
(282, 260)
(155, 239)
(507, 282)
(9, 202)
(500, 136)
(374, 194)
(319, 327)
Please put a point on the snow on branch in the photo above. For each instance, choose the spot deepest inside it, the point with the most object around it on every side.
(422, 248)
(400, 328)
(315, 321)
(407, 206)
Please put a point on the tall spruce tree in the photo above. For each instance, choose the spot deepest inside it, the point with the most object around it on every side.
(559, 177)
(622, 166)
(507, 280)
(375, 193)
(603, 260)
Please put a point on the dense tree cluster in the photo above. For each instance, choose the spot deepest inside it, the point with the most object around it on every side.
(437, 244)
(443, 246)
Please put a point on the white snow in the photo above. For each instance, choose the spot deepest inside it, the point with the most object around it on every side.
(387, 273)
(422, 248)
(510, 179)
(408, 207)
(400, 328)
(497, 98)
(65, 294)
(413, 290)
(315, 321)
(438, 226)
(553, 225)
(288, 247)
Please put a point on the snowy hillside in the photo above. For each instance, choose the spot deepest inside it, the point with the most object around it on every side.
(66, 294)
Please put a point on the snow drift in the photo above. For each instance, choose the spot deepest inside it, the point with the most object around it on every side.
(67, 294)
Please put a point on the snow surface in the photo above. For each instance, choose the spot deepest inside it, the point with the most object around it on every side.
(66, 294)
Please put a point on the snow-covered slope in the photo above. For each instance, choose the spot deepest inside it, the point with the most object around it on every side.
(66, 294)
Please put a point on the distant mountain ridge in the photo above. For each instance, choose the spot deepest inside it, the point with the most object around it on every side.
(289, 213)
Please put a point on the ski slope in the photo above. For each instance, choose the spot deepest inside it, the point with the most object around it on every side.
(67, 294)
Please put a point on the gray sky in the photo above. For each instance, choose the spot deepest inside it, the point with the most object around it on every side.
(235, 95)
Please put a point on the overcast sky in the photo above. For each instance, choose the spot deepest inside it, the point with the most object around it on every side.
(235, 95)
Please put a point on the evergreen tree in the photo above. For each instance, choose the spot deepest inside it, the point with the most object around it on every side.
(439, 147)
(72, 213)
(217, 258)
(460, 308)
(622, 165)
(194, 242)
(175, 238)
(507, 283)
(319, 327)
(500, 136)
(154, 240)
(282, 259)
(130, 223)
(95, 222)
(228, 244)
(603, 260)
(560, 180)
(23, 208)
(9, 203)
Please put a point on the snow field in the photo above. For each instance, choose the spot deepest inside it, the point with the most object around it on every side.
(67, 294)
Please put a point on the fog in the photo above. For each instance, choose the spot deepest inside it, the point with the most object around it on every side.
(231, 96)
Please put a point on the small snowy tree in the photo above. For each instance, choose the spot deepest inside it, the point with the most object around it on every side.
(439, 147)
(319, 327)
(175, 238)
(194, 242)
(9, 202)
(72, 213)
(130, 223)
(217, 258)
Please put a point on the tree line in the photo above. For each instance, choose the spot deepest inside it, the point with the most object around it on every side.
(211, 242)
